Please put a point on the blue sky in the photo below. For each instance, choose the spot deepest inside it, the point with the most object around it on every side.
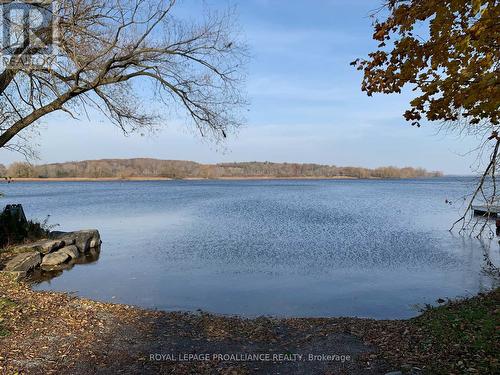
(305, 102)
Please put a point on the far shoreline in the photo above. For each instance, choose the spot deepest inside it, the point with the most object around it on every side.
(250, 178)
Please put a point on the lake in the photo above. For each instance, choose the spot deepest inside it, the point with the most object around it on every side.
(367, 248)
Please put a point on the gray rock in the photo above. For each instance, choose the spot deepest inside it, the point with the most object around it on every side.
(43, 246)
(68, 241)
(394, 373)
(83, 239)
(95, 242)
(71, 250)
(87, 239)
(54, 259)
(57, 234)
(23, 262)
(67, 237)
(59, 267)
(16, 275)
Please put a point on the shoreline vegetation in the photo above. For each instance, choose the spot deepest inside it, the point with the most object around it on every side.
(55, 332)
(143, 169)
(97, 179)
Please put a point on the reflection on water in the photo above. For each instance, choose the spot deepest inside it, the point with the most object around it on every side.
(40, 275)
(292, 248)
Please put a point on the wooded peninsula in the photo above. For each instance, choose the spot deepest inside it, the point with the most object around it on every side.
(180, 169)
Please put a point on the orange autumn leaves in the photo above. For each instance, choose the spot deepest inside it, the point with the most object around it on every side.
(447, 50)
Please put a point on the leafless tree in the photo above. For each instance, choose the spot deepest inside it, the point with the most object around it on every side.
(132, 60)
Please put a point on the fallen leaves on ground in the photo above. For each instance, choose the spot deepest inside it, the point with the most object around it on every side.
(60, 333)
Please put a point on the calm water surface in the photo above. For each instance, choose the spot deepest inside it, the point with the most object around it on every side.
(287, 248)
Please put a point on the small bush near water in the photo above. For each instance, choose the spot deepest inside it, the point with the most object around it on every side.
(12, 231)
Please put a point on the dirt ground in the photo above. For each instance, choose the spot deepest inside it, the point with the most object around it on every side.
(59, 333)
(56, 333)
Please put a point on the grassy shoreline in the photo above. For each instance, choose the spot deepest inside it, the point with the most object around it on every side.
(58, 332)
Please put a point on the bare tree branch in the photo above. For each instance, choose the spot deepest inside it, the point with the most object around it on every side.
(112, 56)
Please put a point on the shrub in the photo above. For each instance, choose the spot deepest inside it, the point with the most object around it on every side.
(14, 231)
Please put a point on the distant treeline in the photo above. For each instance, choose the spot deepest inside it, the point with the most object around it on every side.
(178, 169)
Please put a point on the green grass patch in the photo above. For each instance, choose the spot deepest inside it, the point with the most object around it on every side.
(3, 332)
(466, 331)
(5, 305)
